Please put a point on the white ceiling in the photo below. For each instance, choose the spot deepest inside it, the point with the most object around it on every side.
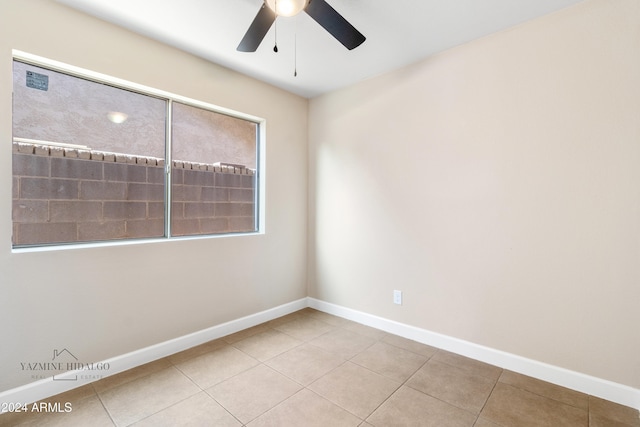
(399, 32)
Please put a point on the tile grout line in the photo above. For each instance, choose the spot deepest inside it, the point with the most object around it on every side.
(394, 391)
(404, 383)
(104, 406)
(350, 360)
(223, 407)
(549, 397)
(263, 363)
(308, 342)
(427, 394)
(182, 400)
(487, 400)
(378, 340)
(303, 387)
(186, 398)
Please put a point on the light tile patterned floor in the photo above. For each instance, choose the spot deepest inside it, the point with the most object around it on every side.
(312, 369)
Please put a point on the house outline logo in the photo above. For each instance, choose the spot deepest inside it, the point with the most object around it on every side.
(64, 355)
(57, 354)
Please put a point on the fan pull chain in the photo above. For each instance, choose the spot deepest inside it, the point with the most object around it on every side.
(295, 50)
(275, 29)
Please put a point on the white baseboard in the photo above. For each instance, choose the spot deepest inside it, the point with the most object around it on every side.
(42, 389)
(598, 387)
(604, 389)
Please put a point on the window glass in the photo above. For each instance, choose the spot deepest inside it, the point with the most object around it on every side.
(89, 163)
(213, 172)
(53, 106)
(87, 160)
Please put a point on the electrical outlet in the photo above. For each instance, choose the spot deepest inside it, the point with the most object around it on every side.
(397, 297)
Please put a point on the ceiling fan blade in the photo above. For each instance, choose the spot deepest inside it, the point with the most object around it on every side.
(257, 30)
(335, 24)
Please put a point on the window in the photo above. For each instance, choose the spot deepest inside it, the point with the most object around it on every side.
(95, 159)
(203, 201)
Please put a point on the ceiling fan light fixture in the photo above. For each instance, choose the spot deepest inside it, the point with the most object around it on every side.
(287, 7)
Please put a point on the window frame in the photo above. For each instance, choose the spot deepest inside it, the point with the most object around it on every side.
(170, 98)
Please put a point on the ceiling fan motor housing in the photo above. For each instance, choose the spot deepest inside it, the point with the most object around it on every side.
(319, 10)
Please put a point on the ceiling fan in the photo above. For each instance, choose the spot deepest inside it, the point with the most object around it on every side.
(319, 10)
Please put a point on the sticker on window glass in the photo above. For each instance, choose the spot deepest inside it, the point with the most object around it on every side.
(37, 81)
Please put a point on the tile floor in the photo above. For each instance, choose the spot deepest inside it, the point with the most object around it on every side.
(313, 369)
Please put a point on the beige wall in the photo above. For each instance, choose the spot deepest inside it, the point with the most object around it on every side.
(108, 301)
(497, 185)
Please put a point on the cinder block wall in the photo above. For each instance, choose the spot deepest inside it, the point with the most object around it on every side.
(69, 195)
